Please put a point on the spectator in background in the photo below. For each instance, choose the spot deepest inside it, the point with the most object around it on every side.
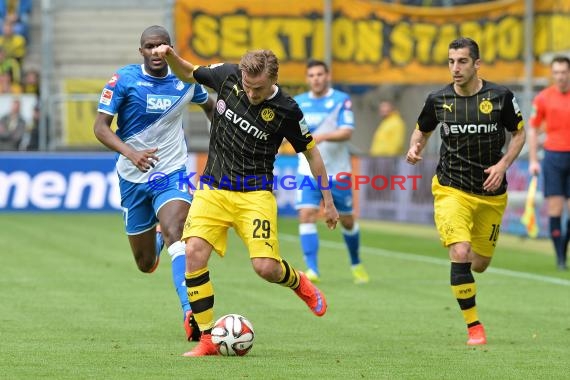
(551, 115)
(31, 83)
(14, 44)
(18, 13)
(389, 137)
(12, 128)
(31, 137)
(5, 83)
(7, 86)
(11, 66)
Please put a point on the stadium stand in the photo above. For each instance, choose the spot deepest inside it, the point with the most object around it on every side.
(16, 109)
(87, 42)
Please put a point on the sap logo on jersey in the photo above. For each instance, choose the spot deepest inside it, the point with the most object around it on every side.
(159, 103)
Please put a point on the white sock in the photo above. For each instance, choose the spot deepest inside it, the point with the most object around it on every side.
(176, 249)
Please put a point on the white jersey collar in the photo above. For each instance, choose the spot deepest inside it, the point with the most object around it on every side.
(313, 96)
(152, 76)
(274, 93)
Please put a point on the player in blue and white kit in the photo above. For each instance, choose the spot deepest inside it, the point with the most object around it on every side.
(149, 102)
(331, 121)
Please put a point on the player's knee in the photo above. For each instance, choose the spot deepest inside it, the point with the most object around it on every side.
(347, 223)
(193, 247)
(171, 234)
(197, 253)
(308, 215)
(460, 253)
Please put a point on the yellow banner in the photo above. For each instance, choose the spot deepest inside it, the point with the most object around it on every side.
(372, 42)
(80, 110)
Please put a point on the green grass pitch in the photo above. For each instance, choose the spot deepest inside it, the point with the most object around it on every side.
(74, 306)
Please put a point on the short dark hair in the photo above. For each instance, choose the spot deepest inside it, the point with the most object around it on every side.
(561, 59)
(155, 30)
(316, 62)
(466, 42)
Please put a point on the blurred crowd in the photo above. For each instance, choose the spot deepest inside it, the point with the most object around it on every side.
(18, 130)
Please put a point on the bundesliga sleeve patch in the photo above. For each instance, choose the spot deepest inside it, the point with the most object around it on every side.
(304, 127)
(516, 106)
(106, 97)
(349, 117)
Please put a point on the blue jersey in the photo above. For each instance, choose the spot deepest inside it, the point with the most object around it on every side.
(150, 111)
(326, 114)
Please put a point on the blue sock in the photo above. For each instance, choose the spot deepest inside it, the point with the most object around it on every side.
(310, 245)
(352, 240)
(178, 256)
(159, 243)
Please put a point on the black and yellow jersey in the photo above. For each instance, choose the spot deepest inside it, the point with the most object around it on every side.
(472, 130)
(244, 138)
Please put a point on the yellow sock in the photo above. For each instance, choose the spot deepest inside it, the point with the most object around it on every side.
(464, 289)
(201, 297)
(290, 276)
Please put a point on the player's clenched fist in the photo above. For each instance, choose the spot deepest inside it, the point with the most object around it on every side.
(162, 51)
(413, 155)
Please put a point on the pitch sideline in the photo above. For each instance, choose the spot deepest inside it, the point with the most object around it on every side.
(432, 260)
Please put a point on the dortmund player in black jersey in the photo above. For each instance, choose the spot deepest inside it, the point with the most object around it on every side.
(251, 118)
(470, 185)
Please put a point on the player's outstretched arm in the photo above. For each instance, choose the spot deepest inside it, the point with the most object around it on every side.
(320, 174)
(179, 66)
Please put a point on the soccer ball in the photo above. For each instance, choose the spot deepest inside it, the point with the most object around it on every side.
(233, 335)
